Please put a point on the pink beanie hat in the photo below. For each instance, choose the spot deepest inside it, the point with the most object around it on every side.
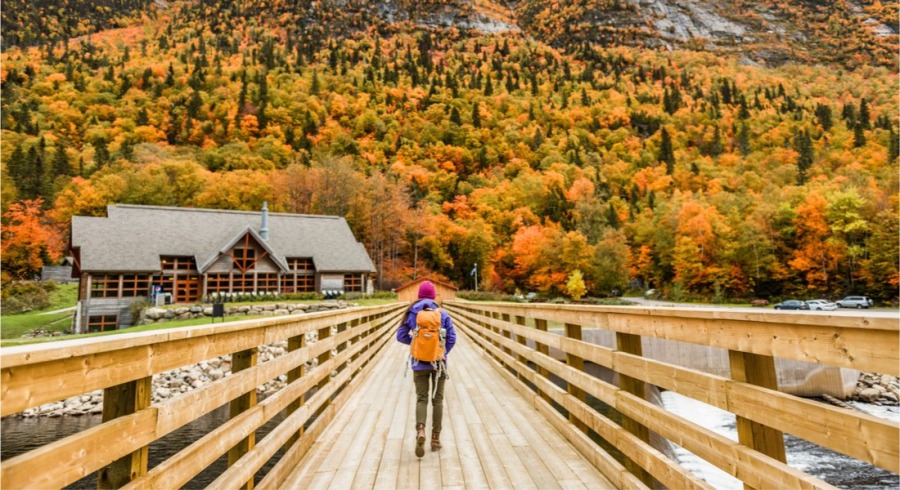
(426, 290)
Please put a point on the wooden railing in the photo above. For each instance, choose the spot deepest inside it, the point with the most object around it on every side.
(517, 337)
(123, 367)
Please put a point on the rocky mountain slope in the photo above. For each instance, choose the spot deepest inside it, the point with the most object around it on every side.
(769, 32)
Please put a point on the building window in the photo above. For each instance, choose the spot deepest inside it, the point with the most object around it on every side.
(104, 286)
(353, 282)
(242, 283)
(267, 282)
(177, 263)
(134, 285)
(217, 283)
(306, 283)
(244, 258)
(301, 264)
(102, 323)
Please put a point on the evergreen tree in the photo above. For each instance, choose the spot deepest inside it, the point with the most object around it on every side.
(859, 136)
(101, 151)
(476, 117)
(744, 139)
(488, 87)
(61, 164)
(715, 146)
(454, 116)
(314, 86)
(666, 152)
(823, 114)
(143, 119)
(893, 147)
(170, 76)
(864, 118)
(803, 145)
(194, 105)
(17, 167)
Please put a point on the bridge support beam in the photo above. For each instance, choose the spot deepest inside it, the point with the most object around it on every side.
(295, 343)
(240, 361)
(631, 344)
(118, 401)
(541, 325)
(520, 320)
(757, 370)
(574, 332)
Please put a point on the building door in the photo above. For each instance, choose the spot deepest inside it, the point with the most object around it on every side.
(187, 289)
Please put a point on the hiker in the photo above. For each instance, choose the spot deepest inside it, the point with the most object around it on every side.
(428, 331)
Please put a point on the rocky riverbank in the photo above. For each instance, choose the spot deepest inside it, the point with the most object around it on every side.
(878, 389)
(172, 383)
(157, 315)
(182, 380)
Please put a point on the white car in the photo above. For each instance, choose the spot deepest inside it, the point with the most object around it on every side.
(821, 305)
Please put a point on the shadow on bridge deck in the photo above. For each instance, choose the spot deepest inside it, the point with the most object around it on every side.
(492, 438)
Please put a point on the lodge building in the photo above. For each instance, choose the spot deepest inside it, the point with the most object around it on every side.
(184, 255)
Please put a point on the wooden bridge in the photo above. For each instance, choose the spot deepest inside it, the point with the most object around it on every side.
(515, 416)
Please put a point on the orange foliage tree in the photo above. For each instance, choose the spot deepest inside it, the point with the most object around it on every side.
(29, 241)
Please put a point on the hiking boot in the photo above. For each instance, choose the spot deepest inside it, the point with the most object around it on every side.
(435, 441)
(420, 440)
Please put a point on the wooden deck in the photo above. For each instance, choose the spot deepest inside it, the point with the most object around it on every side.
(492, 438)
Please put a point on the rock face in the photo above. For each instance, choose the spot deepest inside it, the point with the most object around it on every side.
(174, 383)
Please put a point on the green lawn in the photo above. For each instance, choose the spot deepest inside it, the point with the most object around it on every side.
(64, 296)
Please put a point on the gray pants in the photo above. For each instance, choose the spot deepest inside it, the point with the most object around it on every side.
(423, 381)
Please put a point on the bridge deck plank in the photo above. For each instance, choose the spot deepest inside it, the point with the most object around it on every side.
(492, 438)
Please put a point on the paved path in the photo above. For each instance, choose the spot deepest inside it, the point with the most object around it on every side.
(62, 310)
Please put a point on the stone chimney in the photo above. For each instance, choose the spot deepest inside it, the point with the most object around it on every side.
(264, 227)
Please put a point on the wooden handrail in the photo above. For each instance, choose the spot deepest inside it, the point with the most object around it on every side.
(33, 375)
(839, 341)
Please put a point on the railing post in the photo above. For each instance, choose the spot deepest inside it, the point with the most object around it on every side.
(295, 343)
(324, 333)
(341, 327)
(573, 331)
(505, 318)
(541, 324)
(757, 370)
(240, 361)
(520, 320)
(118, 401)
(631, 344)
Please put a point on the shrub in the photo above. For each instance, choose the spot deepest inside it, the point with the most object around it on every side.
(24, 296)
(488, 296)
(375, 295)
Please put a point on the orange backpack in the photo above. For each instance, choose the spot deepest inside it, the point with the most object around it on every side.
(428, 338)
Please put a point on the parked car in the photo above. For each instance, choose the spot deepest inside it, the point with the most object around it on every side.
(821, 305)
(792, 304)
(856, 302)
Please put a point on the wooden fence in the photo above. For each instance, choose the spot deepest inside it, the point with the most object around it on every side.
(753, 341)
(123, 366)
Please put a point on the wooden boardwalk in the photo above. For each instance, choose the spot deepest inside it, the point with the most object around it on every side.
(492, 438)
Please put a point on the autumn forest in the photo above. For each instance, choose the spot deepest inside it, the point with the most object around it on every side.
(532, 155)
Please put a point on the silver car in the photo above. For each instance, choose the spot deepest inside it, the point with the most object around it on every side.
(856, 302)
(821, 305)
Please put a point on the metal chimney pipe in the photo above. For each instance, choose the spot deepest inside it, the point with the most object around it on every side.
(264, 228)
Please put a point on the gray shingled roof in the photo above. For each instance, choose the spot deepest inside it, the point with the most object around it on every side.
(132, 238)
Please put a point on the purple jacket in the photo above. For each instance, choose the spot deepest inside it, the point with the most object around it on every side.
(409, 323)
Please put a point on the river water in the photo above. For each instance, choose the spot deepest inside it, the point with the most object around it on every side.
(20, 435)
